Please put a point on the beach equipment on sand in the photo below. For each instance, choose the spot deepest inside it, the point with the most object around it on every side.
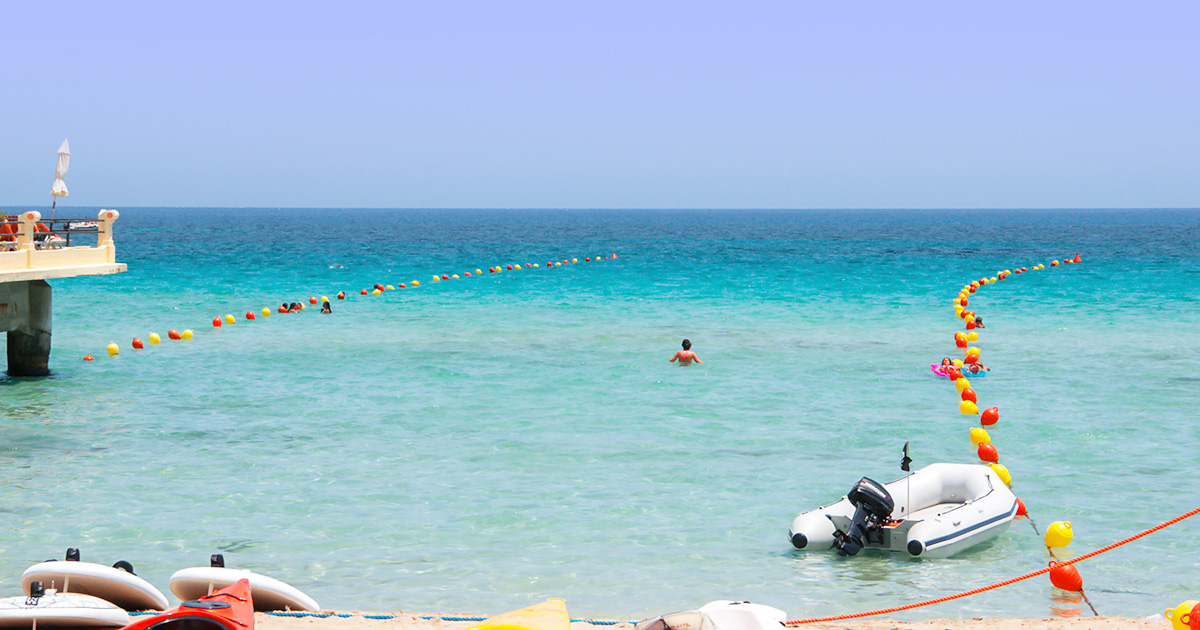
(1191, 619)
(940, 510)
(231, 608)
(719, 615)
(59, 189)
(117, 584)
(50, 609)
(269, 593)
(548, 615)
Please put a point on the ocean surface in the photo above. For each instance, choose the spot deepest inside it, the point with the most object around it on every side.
(478, 444)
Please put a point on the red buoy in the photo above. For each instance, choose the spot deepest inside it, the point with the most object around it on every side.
(990, 416)
(971, 325)
(363, 292)
(1021, 511)
(216, 322)
(402, 285)
(988, 453)
(137, 343)
(969, 394)
(173, 334)
(341, 295)
(445, 276)
(89, 358)
(1066, 577)
(509, 267)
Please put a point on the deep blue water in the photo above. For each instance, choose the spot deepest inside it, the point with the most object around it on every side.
(476, 444)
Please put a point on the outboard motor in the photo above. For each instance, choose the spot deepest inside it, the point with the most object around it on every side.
(872, 508)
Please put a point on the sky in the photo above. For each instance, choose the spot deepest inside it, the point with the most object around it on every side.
(609, 104)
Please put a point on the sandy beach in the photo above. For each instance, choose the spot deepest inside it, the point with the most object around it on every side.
(414, 621)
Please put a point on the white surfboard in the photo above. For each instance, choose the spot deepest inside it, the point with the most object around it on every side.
(122, 588)
(57, 610)
(267, 593)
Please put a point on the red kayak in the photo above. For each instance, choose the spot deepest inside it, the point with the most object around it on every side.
(227, 609)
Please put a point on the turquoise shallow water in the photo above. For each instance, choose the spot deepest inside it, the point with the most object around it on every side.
(477, 444)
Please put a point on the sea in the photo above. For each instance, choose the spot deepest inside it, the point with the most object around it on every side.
(474, 445)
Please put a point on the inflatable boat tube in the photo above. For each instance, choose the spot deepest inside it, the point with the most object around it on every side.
(940, 510)
(719, 615)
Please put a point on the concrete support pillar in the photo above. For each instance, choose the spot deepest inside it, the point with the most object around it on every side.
(28, 324)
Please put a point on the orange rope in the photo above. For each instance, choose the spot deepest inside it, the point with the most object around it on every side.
(975, 591)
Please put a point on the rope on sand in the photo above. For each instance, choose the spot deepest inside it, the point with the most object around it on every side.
(975, 591)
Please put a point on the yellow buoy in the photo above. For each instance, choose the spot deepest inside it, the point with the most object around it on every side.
(1176, 614)
(1059, 534)
(1003, 473)
(154, 338)
(548, 615)
(230, 319)
(957, 362)
(389, 288)
(574, 260)
(557, 264)
(478, 272)
(516, 267)
(967, 408)
(972, 336)
(980, 436)
(961, 384)
(187, 333)
(416, 283)
(266, 312)
(113, 349)
(376, 292)
(455, 276)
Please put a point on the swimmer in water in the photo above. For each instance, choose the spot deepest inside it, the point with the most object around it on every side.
(946, 362)
(979, 322)
(975, 368)
(686, 356)
(325, 307)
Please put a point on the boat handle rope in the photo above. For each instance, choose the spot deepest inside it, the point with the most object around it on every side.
(974, 591)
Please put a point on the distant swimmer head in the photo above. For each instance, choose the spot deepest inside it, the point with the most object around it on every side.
(947, 362)
(687, 345)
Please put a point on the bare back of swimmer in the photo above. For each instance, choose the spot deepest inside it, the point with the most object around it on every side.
(686, 356)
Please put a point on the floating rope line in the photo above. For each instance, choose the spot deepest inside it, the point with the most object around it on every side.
(976, 591)
(377, 289)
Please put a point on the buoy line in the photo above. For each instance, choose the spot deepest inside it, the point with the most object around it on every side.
(1050, 569)
(295, 307)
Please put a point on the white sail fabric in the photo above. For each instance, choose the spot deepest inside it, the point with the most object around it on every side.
(64, 159)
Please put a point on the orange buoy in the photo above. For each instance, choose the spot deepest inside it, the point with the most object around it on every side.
(445, 276)
(312, 300)
(216, 322)
(1077, 258)
(467, 274)
(990, 416)
(969, 394)
(173, 334)
(1021, 511)
(363, 292)
(1065, 576)
(249, 315)
(341, 295)
(402, 285)
(89, 358)
(988, 453)
(509, 267)
(137, 343)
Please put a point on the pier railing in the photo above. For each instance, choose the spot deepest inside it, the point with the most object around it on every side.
(27, 243)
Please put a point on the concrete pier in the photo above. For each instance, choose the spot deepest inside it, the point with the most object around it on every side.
(25, 296)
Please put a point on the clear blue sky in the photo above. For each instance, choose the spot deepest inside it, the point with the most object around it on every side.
(606, 104)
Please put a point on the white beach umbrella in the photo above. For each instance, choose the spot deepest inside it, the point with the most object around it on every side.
(60, 187)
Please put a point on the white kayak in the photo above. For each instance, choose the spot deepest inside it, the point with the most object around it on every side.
(268, 593)
(719, 615)
(936, 512)
(58, 610)
(119, 586)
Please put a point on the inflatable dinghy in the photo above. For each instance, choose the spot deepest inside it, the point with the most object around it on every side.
(269, 594)
(230, 608)
(720, 615)
(50, 609)
(548, 615)
(936, 512)
(117, 584)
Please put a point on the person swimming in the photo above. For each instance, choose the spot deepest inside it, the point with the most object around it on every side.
(325, 307)
(946, 362)
(686, 356)
(975, 368)
(979, 322)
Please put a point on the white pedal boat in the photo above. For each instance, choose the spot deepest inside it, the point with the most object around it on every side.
(720, 615)
(936, 512)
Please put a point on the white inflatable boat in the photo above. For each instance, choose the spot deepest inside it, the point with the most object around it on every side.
(720, 615)
(936, 512)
